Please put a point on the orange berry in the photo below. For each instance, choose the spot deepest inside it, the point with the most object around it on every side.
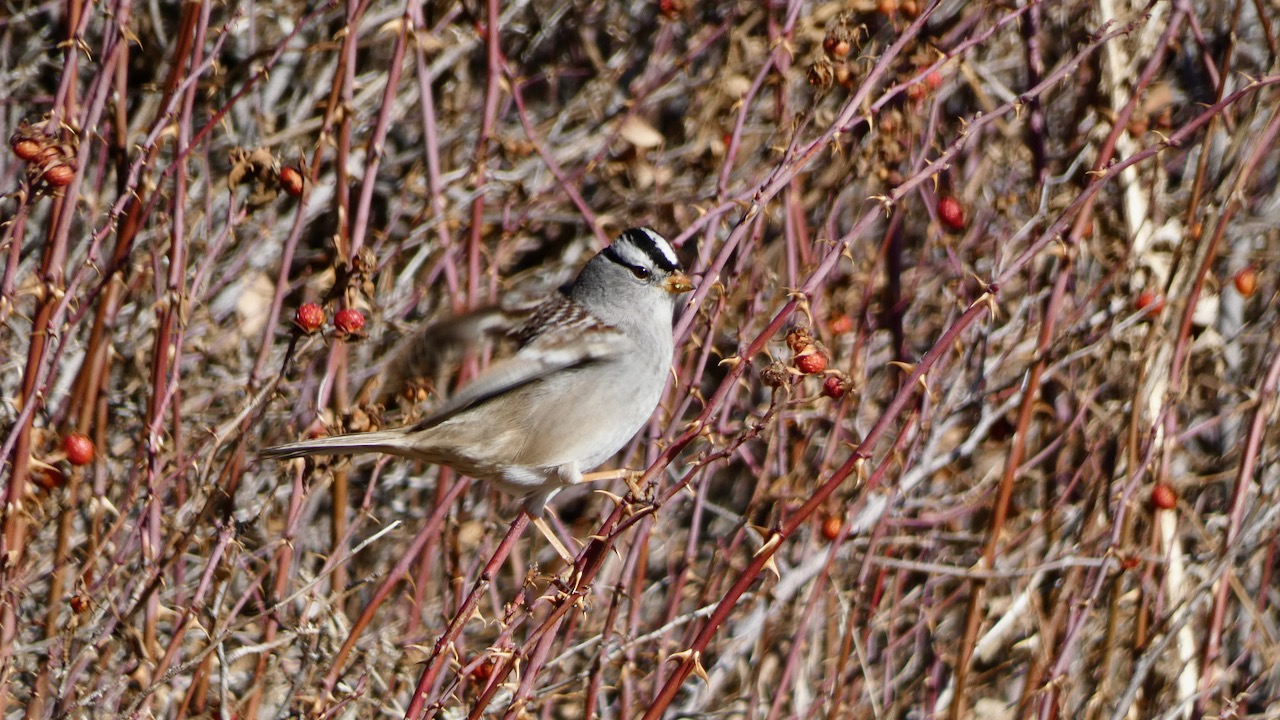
(835, 46)
(25, 148)
(79, 448)
(1164, 497)
(831, 527)
(844, 76)
(79, 603)
(1150, 299)
(1246, 281)
(48, 477)
(291, 180)
(59, 175)
(841, 324)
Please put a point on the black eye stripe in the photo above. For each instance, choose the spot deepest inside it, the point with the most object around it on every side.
(640, 271)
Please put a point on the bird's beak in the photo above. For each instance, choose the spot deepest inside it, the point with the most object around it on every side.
(677, 283)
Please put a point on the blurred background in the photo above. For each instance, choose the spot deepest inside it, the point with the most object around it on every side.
(972, 414)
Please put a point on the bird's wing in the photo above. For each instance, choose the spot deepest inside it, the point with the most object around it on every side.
(423, 353)
(557, 335)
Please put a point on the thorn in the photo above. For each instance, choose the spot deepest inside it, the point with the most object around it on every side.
(860, 470)
(694, 656)
(775, 539)
(617, 499)
(884, 201)
(802, 304)
(772, 566)
(989, 299)
(905, 367)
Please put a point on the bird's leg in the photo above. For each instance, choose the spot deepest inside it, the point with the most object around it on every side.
(550, 534)
(535, 504)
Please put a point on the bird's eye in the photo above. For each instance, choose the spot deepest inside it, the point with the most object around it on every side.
(641, 272)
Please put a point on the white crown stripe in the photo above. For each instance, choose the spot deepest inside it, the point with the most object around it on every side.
(656, 245)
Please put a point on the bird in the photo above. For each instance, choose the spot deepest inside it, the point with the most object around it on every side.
(590, 364)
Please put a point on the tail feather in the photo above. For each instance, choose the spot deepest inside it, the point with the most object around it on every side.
(392, 442)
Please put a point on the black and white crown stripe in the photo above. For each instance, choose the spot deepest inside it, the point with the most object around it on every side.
(651, 244)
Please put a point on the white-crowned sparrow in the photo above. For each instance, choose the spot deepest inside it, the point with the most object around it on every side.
(590, 367)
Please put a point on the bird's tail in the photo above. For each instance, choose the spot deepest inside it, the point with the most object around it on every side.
(392, 442)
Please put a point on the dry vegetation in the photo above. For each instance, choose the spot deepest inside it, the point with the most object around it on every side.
(1034, 244)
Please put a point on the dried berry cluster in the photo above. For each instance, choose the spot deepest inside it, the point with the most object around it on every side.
(50, 162)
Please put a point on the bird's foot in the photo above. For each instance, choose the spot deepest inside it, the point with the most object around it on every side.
(630, 477)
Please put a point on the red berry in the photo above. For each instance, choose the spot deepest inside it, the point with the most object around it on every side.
(48, 477)
(59, 175)
(835, 387)
(840, 324)
(1150, 299)
(79, 448)
(1246, 281)
(831, 527)
(811, 361)
(310, 317)
(26, 148)
(933, 80)
(348, 320)
(835, 46)
(291, 180)
(79, 603)
(671, 9)
(950, 212)
(844, 76)
(484, 671)
(1164, 497)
